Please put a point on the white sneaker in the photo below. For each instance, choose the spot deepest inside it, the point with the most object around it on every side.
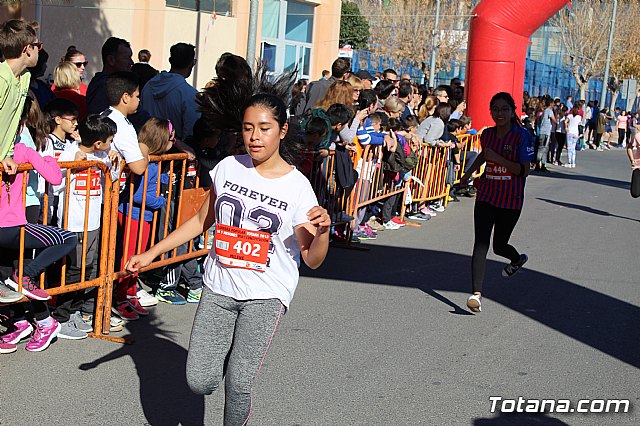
(474, 303)
(146, 299)
(391, 225)
(437, 207)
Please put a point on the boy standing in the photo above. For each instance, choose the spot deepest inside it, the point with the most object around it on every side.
(96, 134)
(20, 46)
(124, 97)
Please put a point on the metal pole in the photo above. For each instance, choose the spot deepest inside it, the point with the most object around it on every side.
(605, 79)
(253, 31)
(434, 51)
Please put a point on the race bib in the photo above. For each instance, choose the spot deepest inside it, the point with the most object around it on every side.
(242, 248)
(89, 179)
(495, 171)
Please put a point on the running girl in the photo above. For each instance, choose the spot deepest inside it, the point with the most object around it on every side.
(266, 217)
(508, 152)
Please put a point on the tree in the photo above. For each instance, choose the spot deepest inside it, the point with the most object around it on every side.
(403, 29)
(354, 28)
(625, 63)
(584, 28)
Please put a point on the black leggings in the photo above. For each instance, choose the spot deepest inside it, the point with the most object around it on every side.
(502, 221)
(55, 244)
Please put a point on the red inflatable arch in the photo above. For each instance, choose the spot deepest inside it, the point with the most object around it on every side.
(496, 58)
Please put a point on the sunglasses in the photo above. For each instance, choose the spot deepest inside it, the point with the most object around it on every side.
(36, 45)
(81, 64)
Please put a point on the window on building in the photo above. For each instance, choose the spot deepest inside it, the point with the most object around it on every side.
(221, 7)
(287, 36)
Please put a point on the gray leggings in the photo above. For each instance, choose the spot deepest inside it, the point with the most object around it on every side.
(240, 331)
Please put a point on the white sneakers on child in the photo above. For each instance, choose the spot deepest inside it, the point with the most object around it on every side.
(474, 303)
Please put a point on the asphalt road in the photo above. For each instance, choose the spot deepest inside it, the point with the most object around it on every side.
(383, 337)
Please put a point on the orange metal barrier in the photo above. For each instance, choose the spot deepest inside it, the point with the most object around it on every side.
(374, 183)
(97, 170)
(431, 171)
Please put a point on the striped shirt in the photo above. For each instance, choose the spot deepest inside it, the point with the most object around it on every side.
(498, 186)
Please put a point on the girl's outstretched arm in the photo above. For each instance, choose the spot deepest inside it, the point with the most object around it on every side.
(193, 227)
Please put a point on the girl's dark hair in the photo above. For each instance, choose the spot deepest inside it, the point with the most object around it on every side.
(511, 103)
(71, 52)
(237, 88)
(443, 111)
(575, 110)
(36, 122)
(223, 103)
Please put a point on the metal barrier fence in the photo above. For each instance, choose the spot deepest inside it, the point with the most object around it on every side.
(184, 197)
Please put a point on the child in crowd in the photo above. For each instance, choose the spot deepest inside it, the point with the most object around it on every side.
(573, 135)
(314, 132)
(124, 97)
(157, 137)
(52, 243)
(467, 123)
(63, 120)
(35, 135)
(96, 134)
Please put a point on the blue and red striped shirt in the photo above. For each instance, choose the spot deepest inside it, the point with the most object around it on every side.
(497, 186)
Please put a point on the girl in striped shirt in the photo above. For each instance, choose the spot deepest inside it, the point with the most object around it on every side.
(507, 150)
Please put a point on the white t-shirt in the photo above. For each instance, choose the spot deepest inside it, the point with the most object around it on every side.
(247, 200)
(573, 121)
(78, 191)
(126, 139)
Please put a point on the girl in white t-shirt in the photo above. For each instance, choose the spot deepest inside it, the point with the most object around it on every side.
(572, 121)
(266, 218)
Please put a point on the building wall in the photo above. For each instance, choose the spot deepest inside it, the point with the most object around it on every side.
(149, 24)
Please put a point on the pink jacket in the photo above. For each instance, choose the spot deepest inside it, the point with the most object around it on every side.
(12, 210)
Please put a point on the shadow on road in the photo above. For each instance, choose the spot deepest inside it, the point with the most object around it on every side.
(586, 209)
(160, 363)
(555, 174)
(595, 319)
(520, 420)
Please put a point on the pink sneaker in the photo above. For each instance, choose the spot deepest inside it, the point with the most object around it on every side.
(43, 336)
(427, 210)
(29, 288)
(21, 330)
(7, 348)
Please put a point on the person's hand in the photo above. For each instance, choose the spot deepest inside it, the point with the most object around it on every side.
(80, 156)
(456, 167)
(461, 107)
(350, 147)
(138, 261)
(10, 166)
(361, 115)
(319, 218)
(75, 135)
(115, 158)
(635, 164)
